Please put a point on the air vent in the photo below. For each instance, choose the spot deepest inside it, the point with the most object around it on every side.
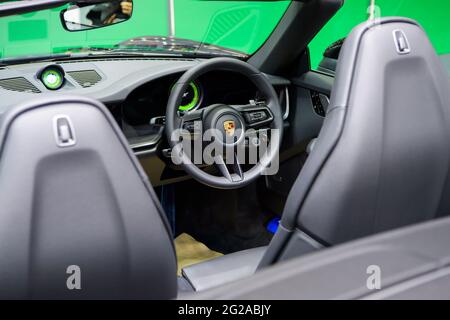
(18, 84)
(86, 78)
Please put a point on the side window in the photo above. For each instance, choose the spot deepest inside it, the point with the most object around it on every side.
(431, 14)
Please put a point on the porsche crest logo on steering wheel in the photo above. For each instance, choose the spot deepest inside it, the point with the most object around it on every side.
(229, 127)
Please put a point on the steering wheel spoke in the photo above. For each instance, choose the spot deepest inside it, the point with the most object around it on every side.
(195, 115)
(192, 122)
(223, 166)
(237, 168)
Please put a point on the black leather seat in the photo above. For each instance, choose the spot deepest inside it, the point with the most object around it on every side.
(382, 158)
(78, 218)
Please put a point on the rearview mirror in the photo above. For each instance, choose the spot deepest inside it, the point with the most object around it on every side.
(85, 16)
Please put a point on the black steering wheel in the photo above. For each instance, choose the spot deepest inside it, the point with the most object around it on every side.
(227, 126)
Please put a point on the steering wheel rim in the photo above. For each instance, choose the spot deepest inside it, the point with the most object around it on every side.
(173, 121)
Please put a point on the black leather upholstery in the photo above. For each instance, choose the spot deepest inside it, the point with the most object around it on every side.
(87, 205)
(382, 158)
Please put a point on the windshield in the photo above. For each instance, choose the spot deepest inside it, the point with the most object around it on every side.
(237, 28)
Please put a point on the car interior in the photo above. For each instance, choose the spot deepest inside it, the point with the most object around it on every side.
(414, 261)
(87, 172)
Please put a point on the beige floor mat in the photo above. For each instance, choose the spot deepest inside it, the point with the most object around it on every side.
(190, 251)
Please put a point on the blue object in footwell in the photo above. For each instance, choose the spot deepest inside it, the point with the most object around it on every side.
(273, 224)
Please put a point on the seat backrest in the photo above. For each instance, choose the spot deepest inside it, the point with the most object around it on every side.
(382, 158)
(78, 218)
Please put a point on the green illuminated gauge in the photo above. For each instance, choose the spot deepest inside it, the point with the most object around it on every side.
(191, 98)
(52, 78)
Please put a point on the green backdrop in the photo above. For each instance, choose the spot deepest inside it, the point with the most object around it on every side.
(433, 15)
(240, 25)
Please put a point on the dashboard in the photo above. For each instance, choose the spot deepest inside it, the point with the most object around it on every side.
(106, 79)
(136, 91)
(142, 112)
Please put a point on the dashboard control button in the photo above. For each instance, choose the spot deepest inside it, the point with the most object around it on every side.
(256, 116)
(193, 127)
(320, 103)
